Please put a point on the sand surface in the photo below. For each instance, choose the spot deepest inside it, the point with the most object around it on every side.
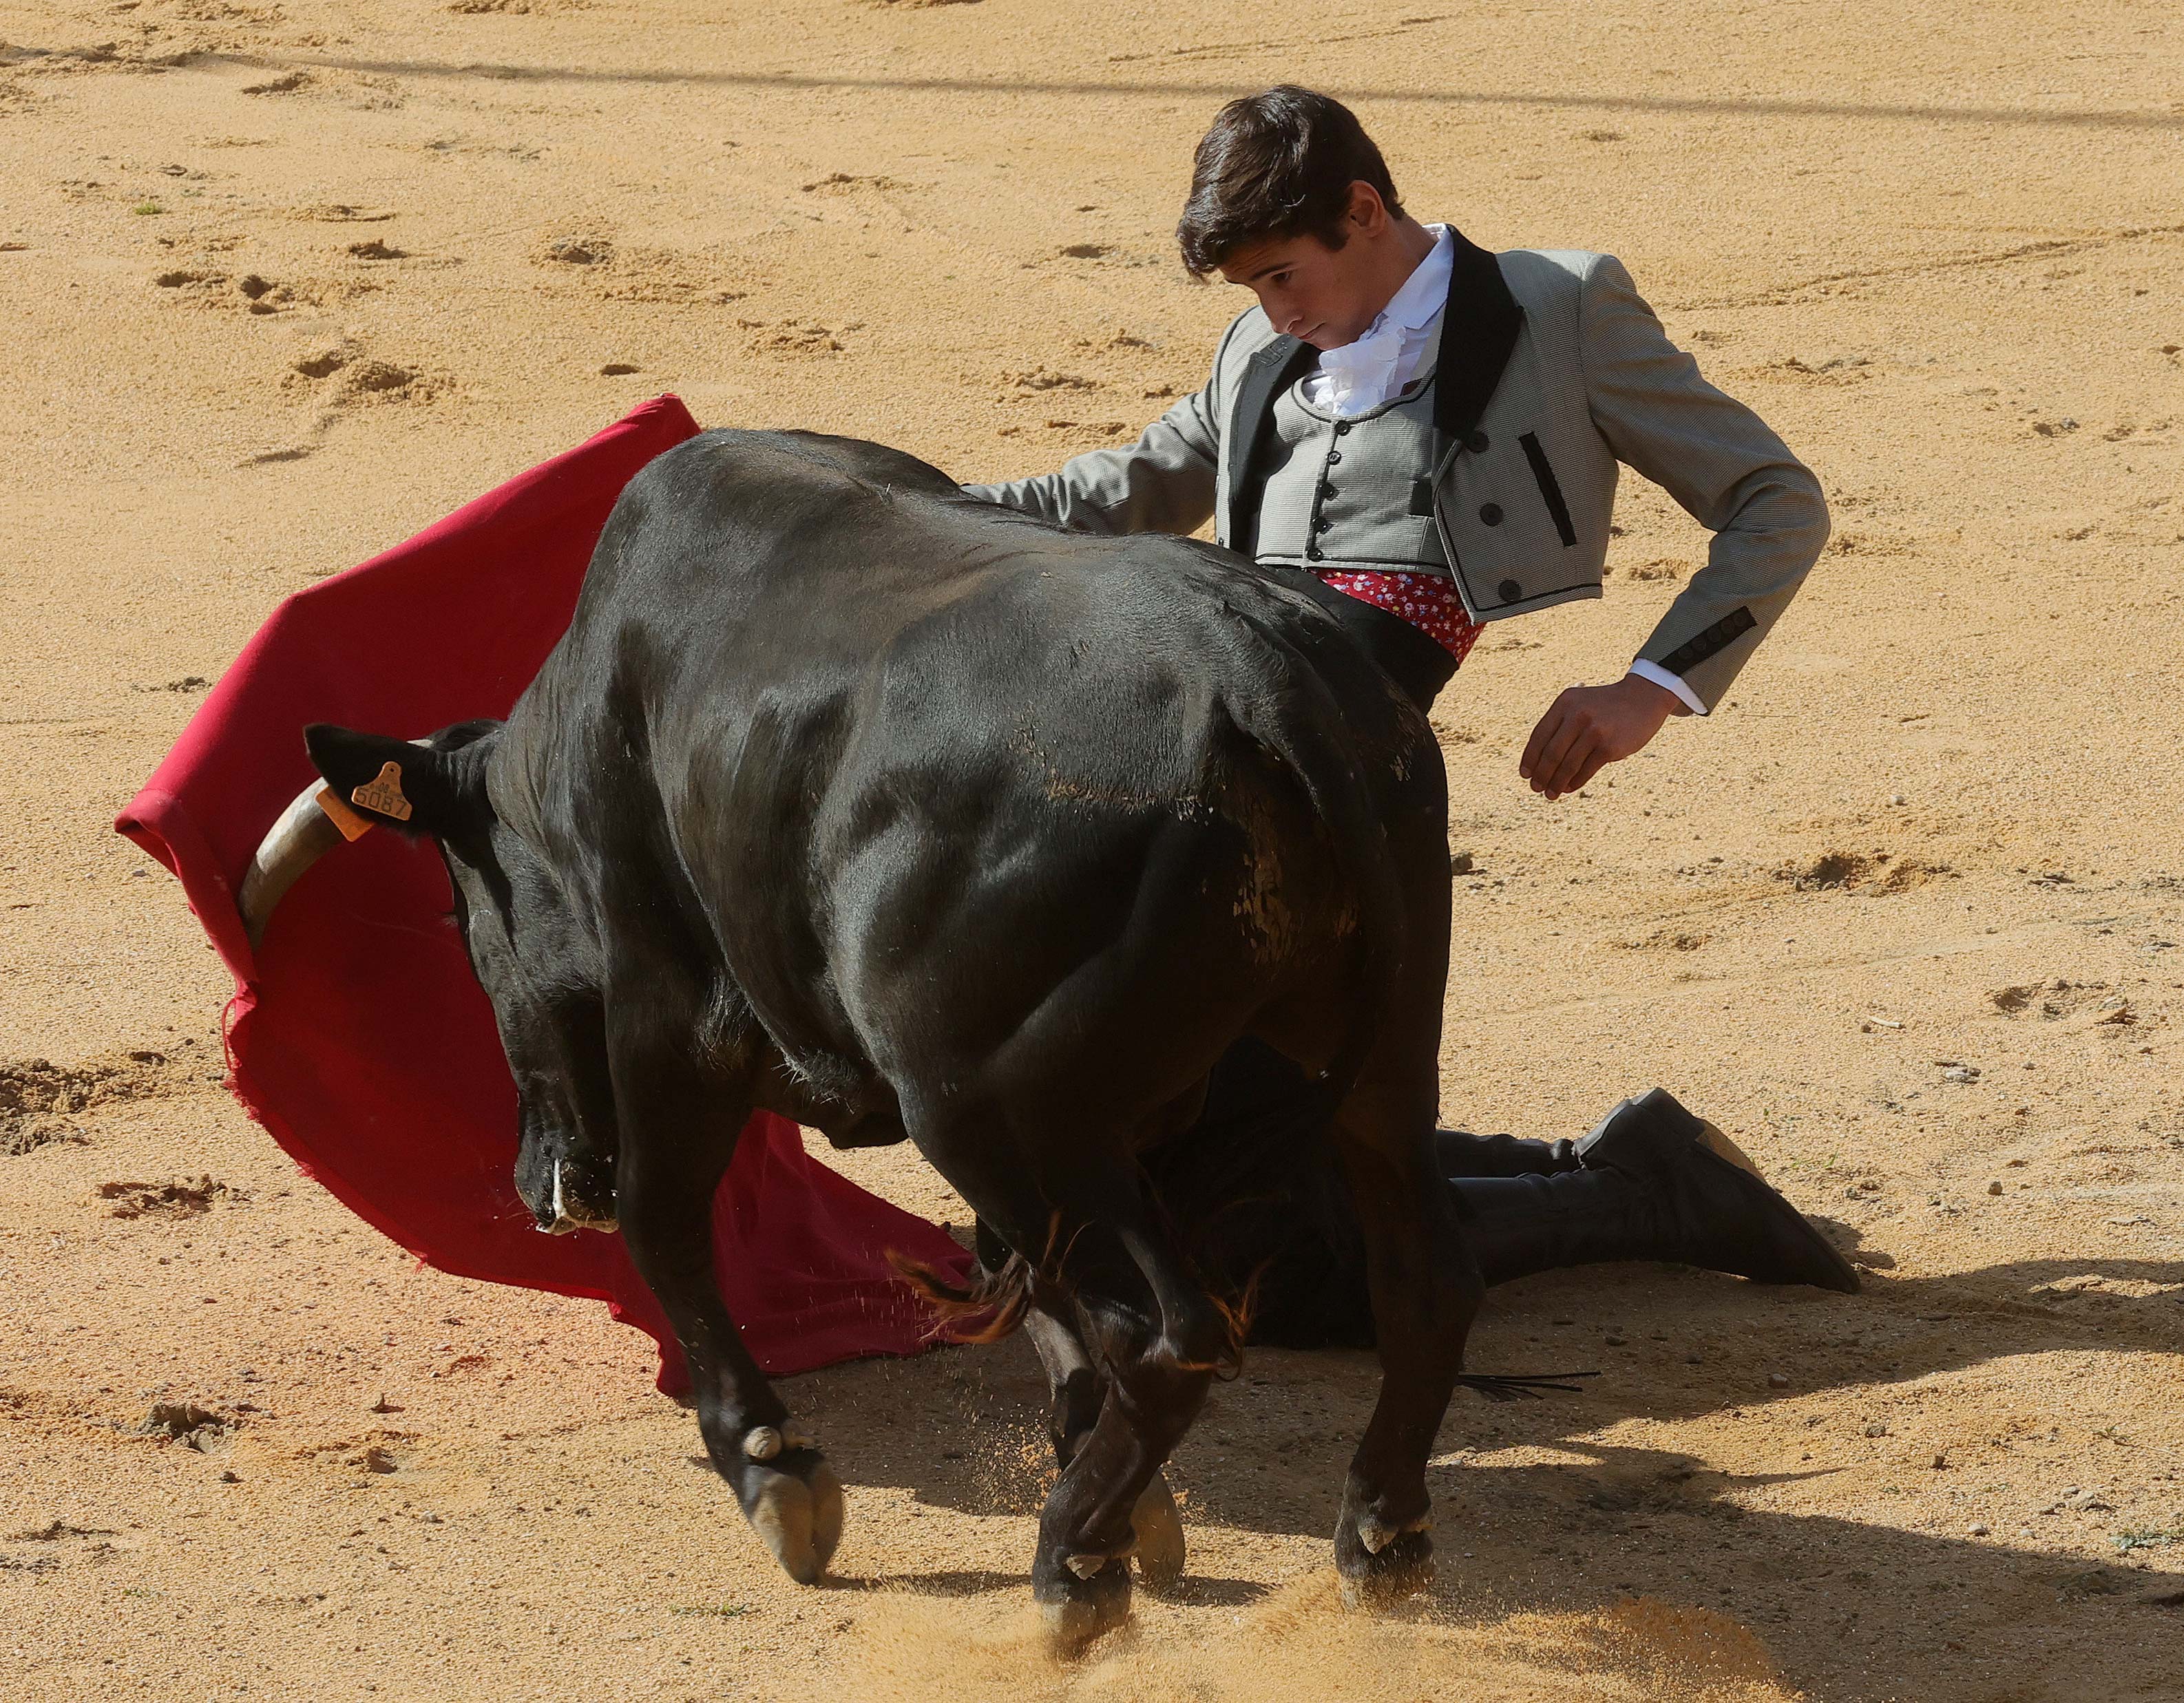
(282, 283)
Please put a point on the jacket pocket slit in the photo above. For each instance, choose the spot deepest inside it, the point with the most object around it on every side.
(1550, 489)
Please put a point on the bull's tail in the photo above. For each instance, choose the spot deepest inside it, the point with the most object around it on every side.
(982, 1308)
(1521, 1386)
(989, 1303)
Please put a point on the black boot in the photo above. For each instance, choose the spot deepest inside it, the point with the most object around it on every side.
(1462, 1154)
(1654, 1182)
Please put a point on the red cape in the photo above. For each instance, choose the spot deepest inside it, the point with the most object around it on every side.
(358, 1035)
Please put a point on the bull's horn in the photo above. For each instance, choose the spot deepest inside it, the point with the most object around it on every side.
(303, 834)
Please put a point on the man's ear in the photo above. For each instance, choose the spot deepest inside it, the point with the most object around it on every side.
(1367, 210)
(417, 788)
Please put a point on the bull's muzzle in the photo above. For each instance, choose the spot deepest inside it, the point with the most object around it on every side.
(570, 1212)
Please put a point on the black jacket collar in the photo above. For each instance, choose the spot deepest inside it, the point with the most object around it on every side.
(1477, 331)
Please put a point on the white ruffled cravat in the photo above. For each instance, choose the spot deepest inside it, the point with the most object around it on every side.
(1359, 376)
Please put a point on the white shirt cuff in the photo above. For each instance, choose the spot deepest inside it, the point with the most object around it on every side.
(1668, 682)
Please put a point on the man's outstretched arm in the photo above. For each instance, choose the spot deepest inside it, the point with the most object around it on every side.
(1721, 463)
(1164, 482)
(1733, 475)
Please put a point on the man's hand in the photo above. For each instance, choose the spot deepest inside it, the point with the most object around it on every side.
(1589, 726)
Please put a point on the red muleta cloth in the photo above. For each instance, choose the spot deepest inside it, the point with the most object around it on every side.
(358, 1035)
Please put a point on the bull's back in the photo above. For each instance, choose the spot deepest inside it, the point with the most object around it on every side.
(932, 733)
(878, 631)
(817, 549)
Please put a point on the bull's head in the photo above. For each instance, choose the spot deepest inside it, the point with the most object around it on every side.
(525, 944)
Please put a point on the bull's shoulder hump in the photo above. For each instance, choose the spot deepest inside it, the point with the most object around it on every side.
(796, 458)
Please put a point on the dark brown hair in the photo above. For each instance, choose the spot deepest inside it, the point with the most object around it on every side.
(1277, 166)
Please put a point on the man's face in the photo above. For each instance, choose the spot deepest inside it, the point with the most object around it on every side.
(1325, 296)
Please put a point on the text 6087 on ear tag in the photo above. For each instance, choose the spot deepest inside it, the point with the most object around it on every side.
(352, 825)
(383, 793)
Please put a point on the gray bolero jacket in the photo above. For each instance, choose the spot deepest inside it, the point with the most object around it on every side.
(1551, 370)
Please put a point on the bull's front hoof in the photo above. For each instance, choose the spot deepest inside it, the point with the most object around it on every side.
(1077, 1609)
(1158, 1526)
(796, 1511)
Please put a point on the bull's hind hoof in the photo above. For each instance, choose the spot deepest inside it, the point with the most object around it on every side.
(1380, 1564)
(1403, 1569)
(798, 1515)
(1077, 1609)
(1158, 1526)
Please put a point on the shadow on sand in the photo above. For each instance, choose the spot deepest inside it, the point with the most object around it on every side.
(1855, 1609)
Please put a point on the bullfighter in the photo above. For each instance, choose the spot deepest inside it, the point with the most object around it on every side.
(1425, 436)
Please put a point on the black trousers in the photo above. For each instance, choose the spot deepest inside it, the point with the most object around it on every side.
(1255, 1196)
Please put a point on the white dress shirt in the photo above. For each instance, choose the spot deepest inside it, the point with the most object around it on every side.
(1359, 376)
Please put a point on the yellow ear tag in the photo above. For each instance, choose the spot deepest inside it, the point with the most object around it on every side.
(352, 826)
(383, 793)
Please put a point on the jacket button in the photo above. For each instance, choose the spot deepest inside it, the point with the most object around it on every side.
(1341, 428)
(1510, 590)
(1476, 443)
(1321, 524)
(1490, 514)
(1333, 456)
(1314, 553)
(1326, 492)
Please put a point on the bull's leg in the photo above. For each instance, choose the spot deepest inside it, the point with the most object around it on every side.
(1074, 1384)
(1146, 1335)
(1426, 1290)
(1424, 1281)
(1161, 1338)
(1076, 1392)
(678, 1137)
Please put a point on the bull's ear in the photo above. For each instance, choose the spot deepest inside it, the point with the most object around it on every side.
(418, 788)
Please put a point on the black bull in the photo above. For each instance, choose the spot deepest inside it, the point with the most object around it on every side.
(853, 799)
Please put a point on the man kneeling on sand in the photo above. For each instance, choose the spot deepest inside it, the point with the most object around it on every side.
(1425, 437)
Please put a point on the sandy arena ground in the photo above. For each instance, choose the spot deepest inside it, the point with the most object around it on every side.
(281, 283)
